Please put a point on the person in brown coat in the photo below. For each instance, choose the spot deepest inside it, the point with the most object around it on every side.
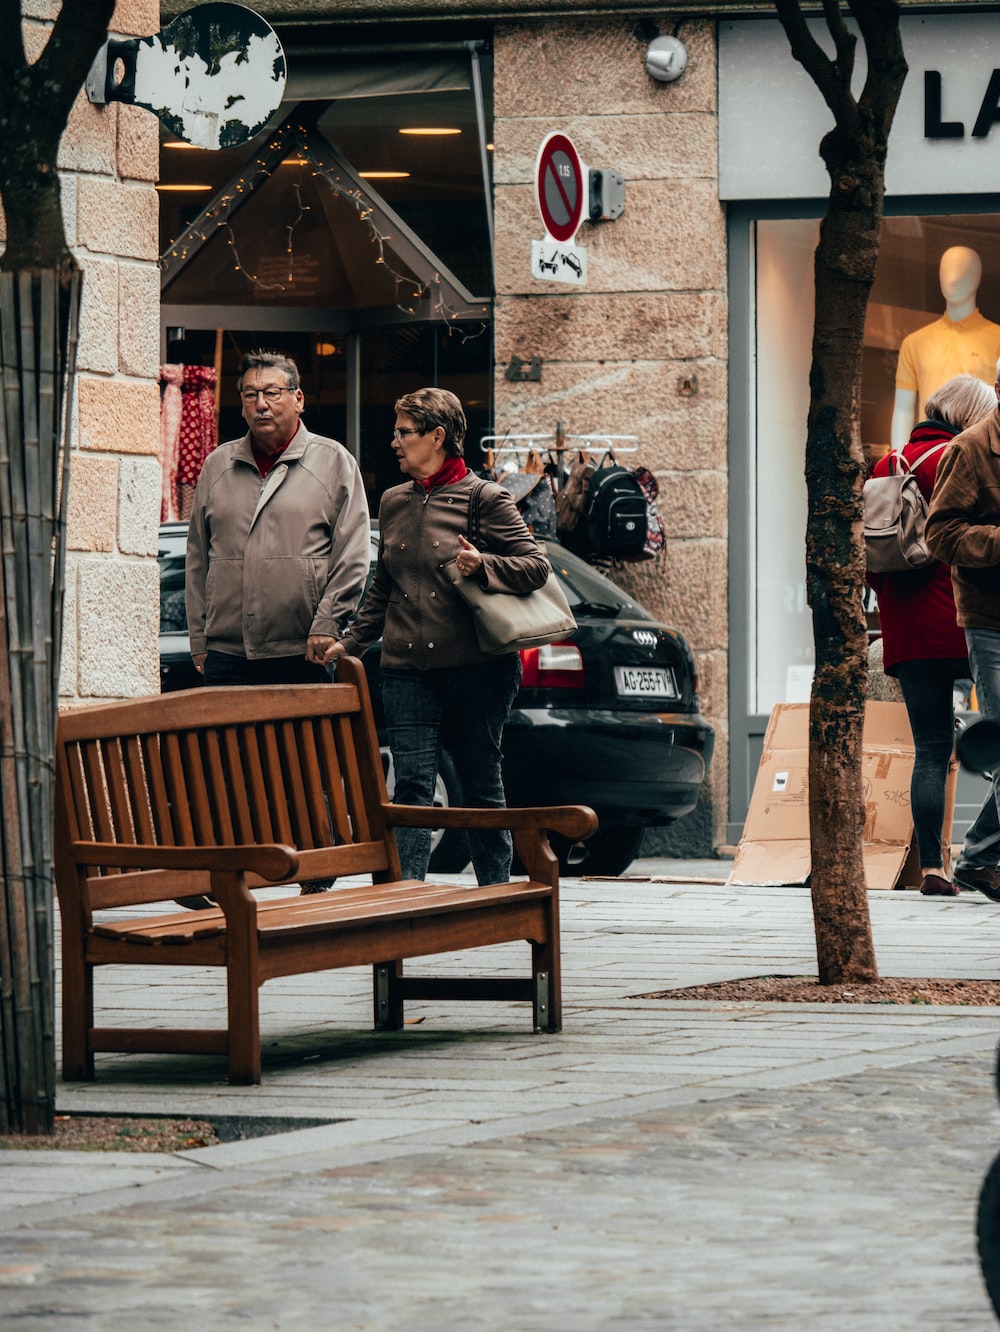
(963, 530)
(438, 687)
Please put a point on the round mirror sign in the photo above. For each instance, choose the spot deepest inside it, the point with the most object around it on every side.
(215, 75)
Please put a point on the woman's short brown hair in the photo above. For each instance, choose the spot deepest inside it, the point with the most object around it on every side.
(429, 408)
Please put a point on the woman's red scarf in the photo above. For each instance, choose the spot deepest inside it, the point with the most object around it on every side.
(453, 470)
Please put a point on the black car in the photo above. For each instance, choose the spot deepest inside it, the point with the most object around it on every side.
(608, 718)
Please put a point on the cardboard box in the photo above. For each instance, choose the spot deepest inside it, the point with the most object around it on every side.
(775, 844)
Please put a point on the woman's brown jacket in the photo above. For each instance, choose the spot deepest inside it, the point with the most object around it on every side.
(422, 620)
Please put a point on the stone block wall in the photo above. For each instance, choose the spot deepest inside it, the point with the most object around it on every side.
(641, 348)
(109, 163)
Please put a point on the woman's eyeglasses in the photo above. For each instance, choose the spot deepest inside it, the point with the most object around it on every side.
(271, 394)
(407, 430)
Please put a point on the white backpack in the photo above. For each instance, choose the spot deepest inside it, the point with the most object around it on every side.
(896, 516)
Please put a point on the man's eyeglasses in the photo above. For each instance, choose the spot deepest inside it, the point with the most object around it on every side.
(271, 394)
(407, 430)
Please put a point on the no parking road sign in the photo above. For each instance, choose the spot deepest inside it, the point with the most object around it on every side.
(560, 185)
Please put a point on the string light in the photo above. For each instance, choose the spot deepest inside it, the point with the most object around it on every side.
(410, 293)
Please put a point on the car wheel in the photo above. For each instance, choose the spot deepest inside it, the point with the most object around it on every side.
(449, 847)
(610, 851)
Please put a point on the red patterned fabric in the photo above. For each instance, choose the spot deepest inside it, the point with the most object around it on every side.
(197, 433)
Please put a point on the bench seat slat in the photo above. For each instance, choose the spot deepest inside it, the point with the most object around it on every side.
(322, 911)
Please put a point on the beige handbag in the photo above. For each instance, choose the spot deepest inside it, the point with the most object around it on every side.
(506, 622)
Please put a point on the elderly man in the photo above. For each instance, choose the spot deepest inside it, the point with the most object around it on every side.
(278, 541)
(278, 546)
(963, 530)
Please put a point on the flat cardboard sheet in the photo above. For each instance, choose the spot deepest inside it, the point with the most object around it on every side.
(775, 844)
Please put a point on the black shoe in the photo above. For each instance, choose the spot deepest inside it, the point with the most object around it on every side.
(199, 902)
(979, 878)
(317, 886)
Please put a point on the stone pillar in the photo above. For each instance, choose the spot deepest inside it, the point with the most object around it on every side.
(109, 163)
(641, 349)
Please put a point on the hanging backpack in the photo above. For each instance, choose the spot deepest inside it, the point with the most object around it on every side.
(656, 537)
(617, 524)
(572, 495)
(896, 517)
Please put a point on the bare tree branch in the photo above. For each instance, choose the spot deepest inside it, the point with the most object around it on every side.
(885, 55)
(78, 34)
(12, 57)
(831, 77)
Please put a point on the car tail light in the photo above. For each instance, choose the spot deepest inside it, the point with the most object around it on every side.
(554, 666)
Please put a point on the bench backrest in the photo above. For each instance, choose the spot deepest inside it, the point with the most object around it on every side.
(292, 764)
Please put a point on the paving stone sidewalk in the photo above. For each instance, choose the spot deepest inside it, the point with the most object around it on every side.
(658, 1164)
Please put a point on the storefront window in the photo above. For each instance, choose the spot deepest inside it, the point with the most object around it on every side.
(906, 296)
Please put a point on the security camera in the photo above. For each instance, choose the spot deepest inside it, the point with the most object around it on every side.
(666, 59)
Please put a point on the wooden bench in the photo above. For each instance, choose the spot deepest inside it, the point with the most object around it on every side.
(227, 790)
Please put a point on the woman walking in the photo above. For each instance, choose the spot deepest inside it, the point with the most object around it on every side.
(922, 644)
(438, 687)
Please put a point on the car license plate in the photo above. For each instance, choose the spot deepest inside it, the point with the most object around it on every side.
(645, 682)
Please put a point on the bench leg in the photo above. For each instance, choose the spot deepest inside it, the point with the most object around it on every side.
(242, 993)
(387, 996)
(546, 988)
(77, 1018)
(244, 1027)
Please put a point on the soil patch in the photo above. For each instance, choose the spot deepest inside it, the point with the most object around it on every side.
(807, 990)
(117, 1133)
(153, 1133)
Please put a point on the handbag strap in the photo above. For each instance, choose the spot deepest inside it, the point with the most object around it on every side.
(477, 489)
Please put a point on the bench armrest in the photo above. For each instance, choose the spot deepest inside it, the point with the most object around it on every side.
(576, 821)
(270, 860)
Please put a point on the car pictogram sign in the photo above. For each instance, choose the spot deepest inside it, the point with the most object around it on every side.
(560, 184)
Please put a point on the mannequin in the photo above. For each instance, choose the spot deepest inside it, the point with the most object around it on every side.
(960, 342)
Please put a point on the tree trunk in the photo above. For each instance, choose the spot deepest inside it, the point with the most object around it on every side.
(854, 153)
(835, 570)
(38, 329)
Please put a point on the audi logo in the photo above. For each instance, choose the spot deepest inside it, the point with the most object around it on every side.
(644, 637)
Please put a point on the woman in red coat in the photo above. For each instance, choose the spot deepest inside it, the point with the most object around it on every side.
(922, 644)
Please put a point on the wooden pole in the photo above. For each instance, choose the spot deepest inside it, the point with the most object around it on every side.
(38, 322)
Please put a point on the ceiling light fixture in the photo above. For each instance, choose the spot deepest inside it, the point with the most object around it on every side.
(429, 129)
(183, 188)
(384, 175)
(179, 143)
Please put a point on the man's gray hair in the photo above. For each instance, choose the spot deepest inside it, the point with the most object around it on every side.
(270, 360)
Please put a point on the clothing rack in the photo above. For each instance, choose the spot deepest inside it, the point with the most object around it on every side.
(555, 445)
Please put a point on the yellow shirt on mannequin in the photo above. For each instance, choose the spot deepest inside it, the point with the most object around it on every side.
(936, 352)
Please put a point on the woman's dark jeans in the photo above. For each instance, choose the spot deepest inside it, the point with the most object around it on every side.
(465, 708)
(929, 696)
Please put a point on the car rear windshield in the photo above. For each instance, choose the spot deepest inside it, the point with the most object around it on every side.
(584, 585)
